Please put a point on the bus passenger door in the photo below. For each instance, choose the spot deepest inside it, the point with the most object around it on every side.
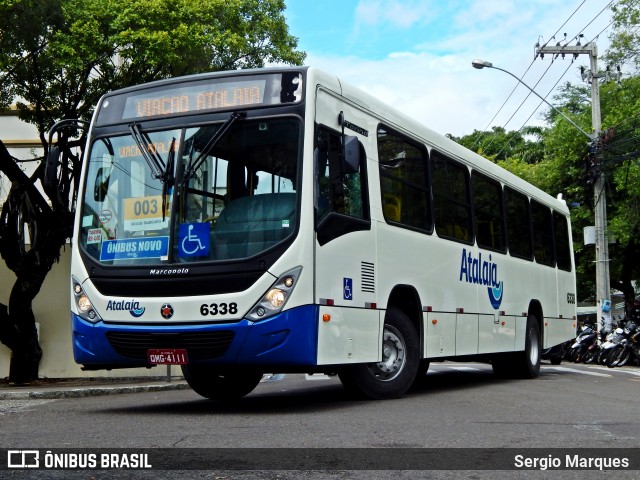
(349, 325)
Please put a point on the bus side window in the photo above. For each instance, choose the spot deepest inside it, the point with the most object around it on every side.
(339, 186)
(341, 192)
(542, 234)
(488, 212)
(518, 224)
(404, 181)
(563, 247)
(450, 183)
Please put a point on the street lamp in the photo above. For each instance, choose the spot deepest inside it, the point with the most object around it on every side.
(480, 64)
(600, 203)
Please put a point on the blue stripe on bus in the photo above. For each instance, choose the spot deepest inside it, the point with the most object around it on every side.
(289, 338)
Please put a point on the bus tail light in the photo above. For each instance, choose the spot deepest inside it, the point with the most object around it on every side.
(83, 303)
(276, 297)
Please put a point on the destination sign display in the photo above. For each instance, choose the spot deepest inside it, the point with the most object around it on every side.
(187, 99)
(202, 95)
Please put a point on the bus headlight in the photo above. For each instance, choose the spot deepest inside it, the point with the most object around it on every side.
(275, 299)
(83, 303)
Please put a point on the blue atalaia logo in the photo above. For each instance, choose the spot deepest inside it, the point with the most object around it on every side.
(482, 272)
(133, 307)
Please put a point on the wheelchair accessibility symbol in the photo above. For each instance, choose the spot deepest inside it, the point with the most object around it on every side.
(193, 240)
(347, 288)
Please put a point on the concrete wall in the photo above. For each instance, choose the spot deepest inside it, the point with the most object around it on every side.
(51, 306)
(52, 312)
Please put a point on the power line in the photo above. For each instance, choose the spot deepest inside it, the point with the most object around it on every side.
(565, 22)
(542, 76)
(599, 13)
(534, 111)
(509, 96)
(529, 94)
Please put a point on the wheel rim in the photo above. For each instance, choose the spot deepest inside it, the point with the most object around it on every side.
(534, 348)
(393, 356)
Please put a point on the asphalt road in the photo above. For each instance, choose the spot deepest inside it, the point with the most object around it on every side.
(461, 406)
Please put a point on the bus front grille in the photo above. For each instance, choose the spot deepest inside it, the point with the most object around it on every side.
(199, 345)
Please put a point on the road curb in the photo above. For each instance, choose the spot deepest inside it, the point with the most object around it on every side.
(93, 391)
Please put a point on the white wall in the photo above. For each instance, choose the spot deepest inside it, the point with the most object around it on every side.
(52, 312)
(51, 306)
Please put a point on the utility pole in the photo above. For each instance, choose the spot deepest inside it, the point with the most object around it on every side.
(603, 289)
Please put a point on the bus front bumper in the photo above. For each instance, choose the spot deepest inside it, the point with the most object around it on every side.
(289, 338)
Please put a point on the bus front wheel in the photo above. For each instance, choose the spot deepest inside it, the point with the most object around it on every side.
(396, 372)
(214, 384)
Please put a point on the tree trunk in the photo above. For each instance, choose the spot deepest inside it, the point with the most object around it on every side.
(48, 226)
(18, 327)
(25, 208)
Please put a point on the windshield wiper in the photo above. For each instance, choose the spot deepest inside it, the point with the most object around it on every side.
(221, 132)
(157, 166)
(167, 176)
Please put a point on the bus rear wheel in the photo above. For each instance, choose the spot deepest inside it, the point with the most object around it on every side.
(396, 372)
(215, 384)
(525, 364)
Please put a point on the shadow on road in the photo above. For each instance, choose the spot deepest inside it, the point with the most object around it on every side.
(299, 395)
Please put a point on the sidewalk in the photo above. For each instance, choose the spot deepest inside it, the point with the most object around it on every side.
(47, 388)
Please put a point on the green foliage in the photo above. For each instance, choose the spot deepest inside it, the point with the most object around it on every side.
(58, 57)
(625, 37)
(499, 144)
(572, 100)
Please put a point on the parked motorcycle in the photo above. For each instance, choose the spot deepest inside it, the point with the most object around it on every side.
(621, 345)
(627, 347)
(608, 348)
(587, 337)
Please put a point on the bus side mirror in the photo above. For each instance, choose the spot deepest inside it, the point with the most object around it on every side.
(351, 155)
(101, 185)
(50, 180)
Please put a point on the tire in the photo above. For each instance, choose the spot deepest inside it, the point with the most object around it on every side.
(524, 364)
(614, 356)
(396, 373)
(573, 354)
(625, 358)
(215, 384)
(619, 357)
(601, 357)
(605, 355)
(592, 356)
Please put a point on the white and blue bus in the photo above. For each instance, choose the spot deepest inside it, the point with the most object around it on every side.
(281, 220)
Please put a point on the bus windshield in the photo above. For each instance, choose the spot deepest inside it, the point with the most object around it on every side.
(215, 192)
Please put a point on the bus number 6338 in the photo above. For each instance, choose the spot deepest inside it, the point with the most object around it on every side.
(218, 309)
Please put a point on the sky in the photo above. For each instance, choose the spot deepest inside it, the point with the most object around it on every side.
(417, 54)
